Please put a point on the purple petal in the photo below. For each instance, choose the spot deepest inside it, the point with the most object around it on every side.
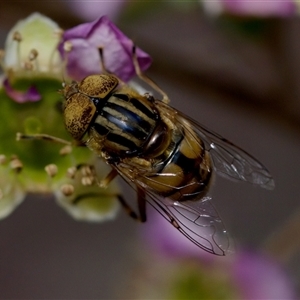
(261, 278)
(161, 237)
(31, 95)
(84, 58)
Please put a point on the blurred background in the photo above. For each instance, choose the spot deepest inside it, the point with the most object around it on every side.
(238, 75)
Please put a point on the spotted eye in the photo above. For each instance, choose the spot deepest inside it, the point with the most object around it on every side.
(98, 86)
(79, 111)
(79, 108)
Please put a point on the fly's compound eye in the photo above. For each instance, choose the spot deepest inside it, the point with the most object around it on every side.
(79, 108)
(98, 86)
(79, 111)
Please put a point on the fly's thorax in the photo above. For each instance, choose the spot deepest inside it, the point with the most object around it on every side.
(124, 123)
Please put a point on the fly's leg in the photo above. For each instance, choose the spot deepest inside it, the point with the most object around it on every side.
(141, 197)
(141, 206)
(109, 177)
(45, 137)
(103, 68)
(145, 78)
(67, 149)
(140, 74)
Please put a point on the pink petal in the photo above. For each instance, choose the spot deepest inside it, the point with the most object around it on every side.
(31, 95)
(261, 8)
(260, 277)
(84, 58)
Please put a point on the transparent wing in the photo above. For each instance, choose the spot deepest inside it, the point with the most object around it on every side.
(229, 160)
(196, 220)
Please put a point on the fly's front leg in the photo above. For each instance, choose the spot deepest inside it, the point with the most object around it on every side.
(45, 137)
(103, 67)
(67, 149)
(145, 78)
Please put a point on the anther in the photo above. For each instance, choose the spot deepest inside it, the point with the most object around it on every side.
(67, 189)
(71, 172)
(17, 36)
(16, 164)
(33, 54)
(87, 180)
(68, 46)
(51, 170)
(65, 150)
(87, 170)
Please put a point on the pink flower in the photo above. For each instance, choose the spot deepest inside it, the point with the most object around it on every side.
(82, 55)
(260, 277)
(261, 8)
(245, 274)
(255, 8)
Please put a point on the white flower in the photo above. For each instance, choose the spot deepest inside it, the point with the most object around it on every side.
(31, 45)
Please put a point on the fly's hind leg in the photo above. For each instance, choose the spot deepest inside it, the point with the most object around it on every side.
(141, 197)
(145, 78)
(141, 206)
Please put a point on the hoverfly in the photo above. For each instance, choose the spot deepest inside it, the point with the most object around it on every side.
(166, 156)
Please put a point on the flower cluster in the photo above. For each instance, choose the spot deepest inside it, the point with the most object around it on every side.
(38, 54)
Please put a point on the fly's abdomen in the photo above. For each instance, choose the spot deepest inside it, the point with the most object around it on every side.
(186, 174)
(124, 124)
